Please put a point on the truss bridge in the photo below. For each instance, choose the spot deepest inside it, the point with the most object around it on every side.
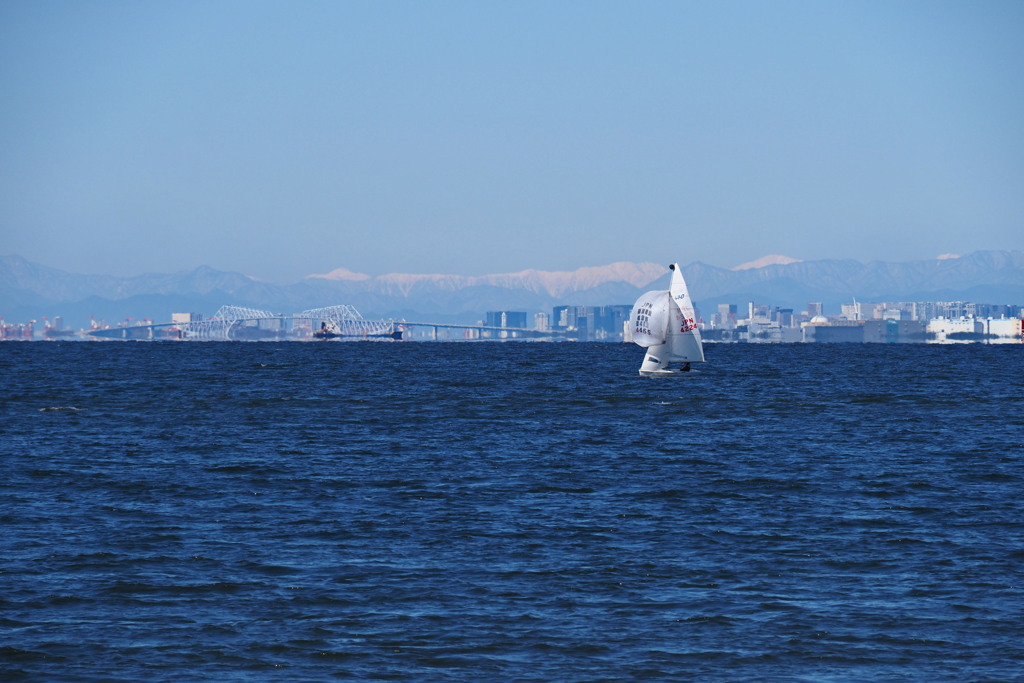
(341, 322)
(241, 323)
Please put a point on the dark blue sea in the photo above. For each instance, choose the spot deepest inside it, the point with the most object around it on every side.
(510, 511)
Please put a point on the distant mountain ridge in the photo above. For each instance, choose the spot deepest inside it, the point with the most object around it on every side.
(770, 260)
(29, 290)
(555, 283)
(982, 276)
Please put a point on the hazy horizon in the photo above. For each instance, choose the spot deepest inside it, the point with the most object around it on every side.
(767, 260)
(463, 138)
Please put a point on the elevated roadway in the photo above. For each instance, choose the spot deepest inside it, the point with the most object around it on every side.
(238, 323)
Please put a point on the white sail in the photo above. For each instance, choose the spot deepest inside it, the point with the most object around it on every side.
(649, 319)
(680, 341)
(684, 336)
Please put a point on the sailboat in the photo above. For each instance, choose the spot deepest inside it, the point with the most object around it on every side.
(665, 323)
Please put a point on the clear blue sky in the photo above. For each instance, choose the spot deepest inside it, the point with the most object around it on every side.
(280, 139)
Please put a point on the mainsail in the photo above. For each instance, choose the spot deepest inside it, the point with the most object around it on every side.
(665, 323)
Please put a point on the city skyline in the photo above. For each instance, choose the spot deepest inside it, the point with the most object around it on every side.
(963, 286)
(468, 138)
(881, 322)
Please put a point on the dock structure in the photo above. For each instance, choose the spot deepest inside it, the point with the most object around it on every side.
(342, 322)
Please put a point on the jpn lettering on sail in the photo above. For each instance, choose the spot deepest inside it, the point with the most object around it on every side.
(684, 344)
(685, 339)
(650, 318)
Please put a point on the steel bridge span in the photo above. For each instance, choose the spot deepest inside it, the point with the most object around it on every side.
(240, 323)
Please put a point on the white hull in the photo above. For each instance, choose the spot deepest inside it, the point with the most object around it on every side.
(660, 361)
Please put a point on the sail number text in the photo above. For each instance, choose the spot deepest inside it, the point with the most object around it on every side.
(643, 319)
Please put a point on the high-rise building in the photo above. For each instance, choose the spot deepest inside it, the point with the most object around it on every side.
(606, 321)
(759, 313)
(505, 319)
(851, 311)
(592, 322)
(563, 317)
(726, 316)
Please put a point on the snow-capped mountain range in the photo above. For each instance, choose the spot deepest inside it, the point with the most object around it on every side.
(553, 283)
(30, 291)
